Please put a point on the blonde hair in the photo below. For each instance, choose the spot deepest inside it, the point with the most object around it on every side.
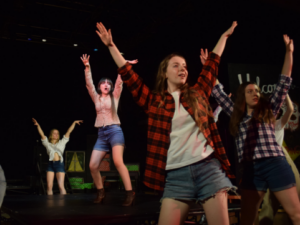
(50, 135)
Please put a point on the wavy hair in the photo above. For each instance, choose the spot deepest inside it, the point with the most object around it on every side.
(50, 135)
(113, 106)
(191, 96)
(261, 113)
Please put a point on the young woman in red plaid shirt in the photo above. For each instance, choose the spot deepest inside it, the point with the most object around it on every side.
(185, 157)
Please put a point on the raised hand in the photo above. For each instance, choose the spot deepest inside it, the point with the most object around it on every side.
(231, 29)
(78, 122)
(104, 35)
(35, 123)
(135, 61)
(39, 129)
(289, 44)
(85, 59)
(203, 56)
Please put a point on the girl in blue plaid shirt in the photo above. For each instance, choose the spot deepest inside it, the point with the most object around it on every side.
(252, 123)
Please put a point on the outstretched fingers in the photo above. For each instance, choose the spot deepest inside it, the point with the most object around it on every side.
(286, 39)
(105, 36)
(78, 122)
(85, 59)
(101, 29)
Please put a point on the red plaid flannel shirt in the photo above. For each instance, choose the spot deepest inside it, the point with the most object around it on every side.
(160, 119)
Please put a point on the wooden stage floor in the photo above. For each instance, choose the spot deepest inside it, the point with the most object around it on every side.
(80, 209)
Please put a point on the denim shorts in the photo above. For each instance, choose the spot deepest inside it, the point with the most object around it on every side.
(273, 172)
(197, 182)
(108, 137)
(56, 167)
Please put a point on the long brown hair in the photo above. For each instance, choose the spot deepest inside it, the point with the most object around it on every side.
(50, 135)
(191, 96)
(113, 106)
(262, 111)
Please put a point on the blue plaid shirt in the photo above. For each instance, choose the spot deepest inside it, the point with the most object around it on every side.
(256, 140)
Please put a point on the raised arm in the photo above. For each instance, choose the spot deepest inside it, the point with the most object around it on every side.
(119, 83)
(218, 110)
(211, 62)
(118, 87)
(219, 48)
(284, 83)
(106, 38)
(289, 111)
(222, 98)
(71, 128)
(88, 76)
(43, 137)
(140, 92)
(288, 59)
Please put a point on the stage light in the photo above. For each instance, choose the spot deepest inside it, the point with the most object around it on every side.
(29, 39)
(95, 50)
(44, 40)
(75, 45)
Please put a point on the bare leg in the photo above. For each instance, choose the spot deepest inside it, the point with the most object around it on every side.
(294, 169)
(50, 178)
(251, 200)
(173, 212)
(216, 209)
(290, 201)
(122, 169)
(61, 183)
(95, 161)
(269, 208)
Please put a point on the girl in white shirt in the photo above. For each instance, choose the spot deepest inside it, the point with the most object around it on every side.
(55, 150)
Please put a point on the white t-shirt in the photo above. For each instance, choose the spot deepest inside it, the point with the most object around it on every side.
(59, 148)
(279, 132)
(188, 144)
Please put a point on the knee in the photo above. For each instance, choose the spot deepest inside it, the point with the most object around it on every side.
(119, 164)
(93, 168)
(295, 216)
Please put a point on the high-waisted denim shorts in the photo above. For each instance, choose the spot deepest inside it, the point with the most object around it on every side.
(56, 167)
(273, 172)
(108, 137)
(199, 181)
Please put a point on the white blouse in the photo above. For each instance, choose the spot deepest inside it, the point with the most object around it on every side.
(59, 148)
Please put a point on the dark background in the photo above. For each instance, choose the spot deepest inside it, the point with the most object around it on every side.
(45, 80)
